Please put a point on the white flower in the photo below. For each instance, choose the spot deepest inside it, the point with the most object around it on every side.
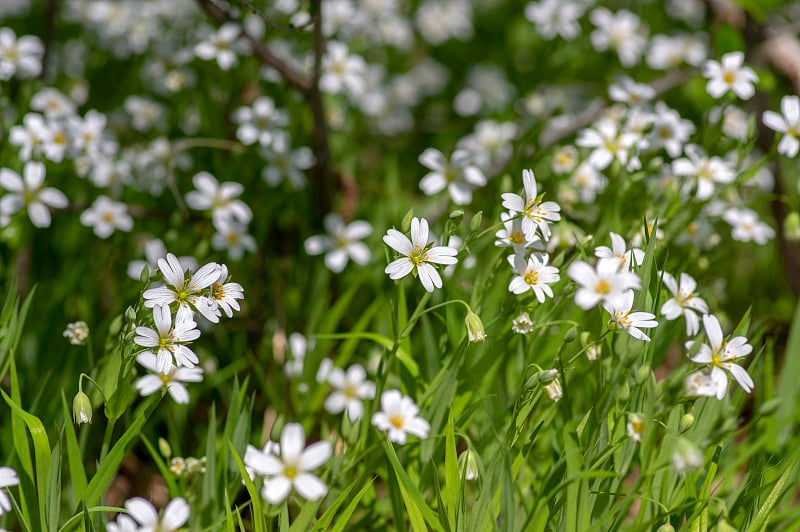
(608, 142)
(260, 122)
(172, 379)
(27, 192)
(555, 17)
(291, 468)
(729, 74)
(233, 237)
(342, 243)
(32, 136)
(606, 283)
(351, 388)
(535, 213)
(551, 385)
(21, 57)
(683, 301)
(458, 175)
(342, 71)
(588, 181)
(787, 122)
(535, 275)
(145, 114)
(522, 324)
(105, 216)
(418, 255)
(169, 341)
(220, 198)
(225, 294)
(686, 456)
(621, 31)
(154, 249)
(77, 332)
(635, 427)
(490, 144)
(700, 383)
(513, 236)
(398, 417)
(8, 478)
(625, 90)
(52, 103)
(298, 347)
(623, 318)
(175, 516)
(285, 163)
(627, 257)
(222, 46)
(670, 130)
(720, 355)
(88, 132)
(187, 292)
(747, 227)
(703, 170)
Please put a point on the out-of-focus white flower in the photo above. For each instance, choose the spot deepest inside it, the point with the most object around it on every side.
(220, 198)
(342, 243)
(260, 122)
(398, 417)
(730, 75)
(19, 57)
(285, 163)
(223, 46)
(588, 181)
(146, 517)
(627, 257)
(105, 216)
(686, 456)
(635, 427)
(77, 332)
(145, 113)
(233, 237)
(556, 17)
(703, 172)
(27, 191)
(351, 389)
(291, 467)
(342, 71)
(522, 324)
(458, 175)
(440, 20)
(8, 478)
(788, 122)
(747, 227)
(31, 137)
(625, 90)
(52, 103)
(608, 141)
(622, 32)
(565, 159)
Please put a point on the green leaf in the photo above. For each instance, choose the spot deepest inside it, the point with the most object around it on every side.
(77, 474)
(761, 519)
(341, 520)
(452, 486)
(255, 496)
(418, 511)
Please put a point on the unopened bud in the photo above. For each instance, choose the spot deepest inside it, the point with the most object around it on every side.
(547, 375)
(456, 216)
(81, 409)
(769, 407)
(164, 448)
(666, 527)
(467, 465)
(553, 390)
(686, 422)
(475, 330)
(624, 392)
(405, 225)
(642, 373)
(571, 335)
(130, 314)
(475, 224)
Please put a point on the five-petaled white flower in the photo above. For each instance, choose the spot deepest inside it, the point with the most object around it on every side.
(260, 122)
(223, 46)
(720, 355)
(220, 198)
(21, 57)
(730, 74)
(604, 283)
(187, 292)
(398, 417)
(608, 142)
(225, 294)
(418, 255)
(290, 468)
(787, 122)
(623, 318)
(105, 216)
(169, 341)
(8, 478)
(535, 213)
(342, 243)
(351, 388)
(747, 227)
(172, 379)
(534, 275)
(618, 250)
(683, 301)
(702, 171)
(146, 517)
(458, 175)
(28, 191)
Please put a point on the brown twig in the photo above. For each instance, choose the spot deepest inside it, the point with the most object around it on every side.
(321, 173)
(48, 33)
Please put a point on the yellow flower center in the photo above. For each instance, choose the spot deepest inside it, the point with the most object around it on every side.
(418, 256)
(728, 77)
(517, 237)
(107, 217)
(531, 277)
(638, 426)
(290, 471)
(397, 420)
(602, 287)
(350, 391)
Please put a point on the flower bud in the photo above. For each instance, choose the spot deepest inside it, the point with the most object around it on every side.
(475, 223)
(624, 392)
(769, 407)
(405, 225)
(593, 352)
(642, 373)
(553, 390)
(467, 465)
(666, 527)
(81, 408)
(456, 216)
(475, 330)
(686, 422)
(547, 375)
(571, 335)
(164, 448)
